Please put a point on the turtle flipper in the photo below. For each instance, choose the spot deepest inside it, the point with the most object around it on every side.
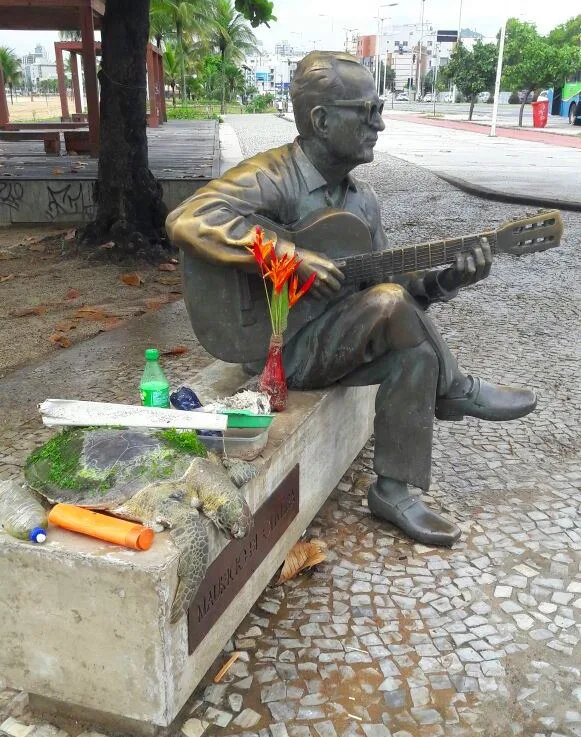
(189, 536)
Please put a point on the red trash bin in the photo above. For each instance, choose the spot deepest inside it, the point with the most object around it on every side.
(540, 113)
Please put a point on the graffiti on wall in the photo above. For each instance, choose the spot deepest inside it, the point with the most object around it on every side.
(70, 199)
(11, 194)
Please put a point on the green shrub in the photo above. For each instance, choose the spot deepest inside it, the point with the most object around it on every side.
(261, 104)
(191, 112)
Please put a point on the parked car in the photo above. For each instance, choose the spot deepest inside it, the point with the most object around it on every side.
(428, 97)
(448, 97)
(402, 97)
(484, 97)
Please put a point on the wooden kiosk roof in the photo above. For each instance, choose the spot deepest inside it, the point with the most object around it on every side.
(48, 15)
(60, 15)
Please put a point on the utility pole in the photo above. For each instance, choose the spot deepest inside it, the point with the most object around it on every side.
(457, 42)
(385, 69)
(419, 67)
(347, 31)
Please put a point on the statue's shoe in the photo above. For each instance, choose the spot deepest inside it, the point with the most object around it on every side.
(414, 518)
(488, 402)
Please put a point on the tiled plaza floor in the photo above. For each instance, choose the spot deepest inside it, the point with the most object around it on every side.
(387, 638)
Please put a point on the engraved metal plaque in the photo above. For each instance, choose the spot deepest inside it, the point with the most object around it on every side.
(240, 558)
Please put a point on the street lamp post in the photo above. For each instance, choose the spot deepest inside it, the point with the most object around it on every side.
(378, 41)
(457, 42)
(498, 76)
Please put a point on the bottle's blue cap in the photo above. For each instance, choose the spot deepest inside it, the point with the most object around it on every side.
(37, 535)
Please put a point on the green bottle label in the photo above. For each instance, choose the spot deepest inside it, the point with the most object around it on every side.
(155, 397)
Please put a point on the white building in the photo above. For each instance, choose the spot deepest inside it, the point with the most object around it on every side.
(273, 72)
(399, 47)
(36, 67)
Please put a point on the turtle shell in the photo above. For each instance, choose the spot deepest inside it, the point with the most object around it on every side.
(100, 468)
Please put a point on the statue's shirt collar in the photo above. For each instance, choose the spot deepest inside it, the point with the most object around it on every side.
(311, 175)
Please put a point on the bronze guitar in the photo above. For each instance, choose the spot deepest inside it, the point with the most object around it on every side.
(227, 307)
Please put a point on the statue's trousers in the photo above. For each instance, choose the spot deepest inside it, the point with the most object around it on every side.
(380, 336)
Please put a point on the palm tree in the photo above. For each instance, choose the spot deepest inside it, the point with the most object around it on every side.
(160, 25)
(235, 82)
(10, 65)
(233, 37)
(70, 36)
(187, 17)
(171, 67)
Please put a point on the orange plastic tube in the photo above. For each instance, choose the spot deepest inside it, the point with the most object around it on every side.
(101, 526)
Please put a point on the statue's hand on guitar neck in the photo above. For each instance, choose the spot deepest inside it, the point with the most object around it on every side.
(329, 277)
(471, 266)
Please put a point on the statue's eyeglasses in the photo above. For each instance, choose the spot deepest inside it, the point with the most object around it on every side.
(372, 109)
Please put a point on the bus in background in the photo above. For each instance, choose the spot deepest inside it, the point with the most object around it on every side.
(566, 102)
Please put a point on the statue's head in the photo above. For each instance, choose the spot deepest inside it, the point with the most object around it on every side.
(334, 100)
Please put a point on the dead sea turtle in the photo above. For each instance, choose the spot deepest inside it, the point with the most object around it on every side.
(158, 478)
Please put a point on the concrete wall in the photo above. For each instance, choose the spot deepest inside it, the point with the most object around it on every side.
(68, 200)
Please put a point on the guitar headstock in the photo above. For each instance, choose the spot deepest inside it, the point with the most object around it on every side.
(530, 234)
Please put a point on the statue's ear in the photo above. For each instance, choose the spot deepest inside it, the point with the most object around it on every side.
(319, 119)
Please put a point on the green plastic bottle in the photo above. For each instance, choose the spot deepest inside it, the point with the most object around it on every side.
(154, 386)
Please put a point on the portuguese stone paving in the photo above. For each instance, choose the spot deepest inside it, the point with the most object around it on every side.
(387, 638)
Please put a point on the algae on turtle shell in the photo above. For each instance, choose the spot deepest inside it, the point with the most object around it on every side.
(156, 478)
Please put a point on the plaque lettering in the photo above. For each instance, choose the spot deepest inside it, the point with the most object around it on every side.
(240, 558)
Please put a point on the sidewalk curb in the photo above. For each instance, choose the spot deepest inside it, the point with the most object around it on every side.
(500, 196)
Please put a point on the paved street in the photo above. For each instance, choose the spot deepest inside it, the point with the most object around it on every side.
(387, 638)
(507, 114)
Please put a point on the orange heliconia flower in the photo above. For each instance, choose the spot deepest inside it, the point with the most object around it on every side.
(281, 269)
(261, 251)
(293, 294)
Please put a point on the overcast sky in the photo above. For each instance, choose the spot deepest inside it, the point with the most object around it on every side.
(321, 23)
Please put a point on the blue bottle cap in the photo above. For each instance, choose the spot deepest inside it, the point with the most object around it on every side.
(37, 535)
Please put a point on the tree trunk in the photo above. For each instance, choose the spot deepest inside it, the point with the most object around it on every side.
(472, 103)
(130, 210)
(173, 93)
(522, 109)
(11, 96)
(223, 106)
(180, 35)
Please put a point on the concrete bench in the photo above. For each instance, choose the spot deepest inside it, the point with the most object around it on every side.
(51, 138)
(84, 625)
(77, 141)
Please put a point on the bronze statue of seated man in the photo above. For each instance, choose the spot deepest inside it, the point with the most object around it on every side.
(345, 334)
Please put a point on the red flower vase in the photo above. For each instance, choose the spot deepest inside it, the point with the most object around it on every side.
(272, 379)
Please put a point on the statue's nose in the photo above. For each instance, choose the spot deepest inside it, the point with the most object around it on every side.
(379, 123)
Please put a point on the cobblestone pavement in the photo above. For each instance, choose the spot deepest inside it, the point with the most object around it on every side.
(390, 638)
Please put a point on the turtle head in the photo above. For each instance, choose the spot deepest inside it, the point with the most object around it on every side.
(232, 516)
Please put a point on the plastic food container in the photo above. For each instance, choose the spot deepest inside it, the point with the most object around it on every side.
(245, 418)
(246, 443)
